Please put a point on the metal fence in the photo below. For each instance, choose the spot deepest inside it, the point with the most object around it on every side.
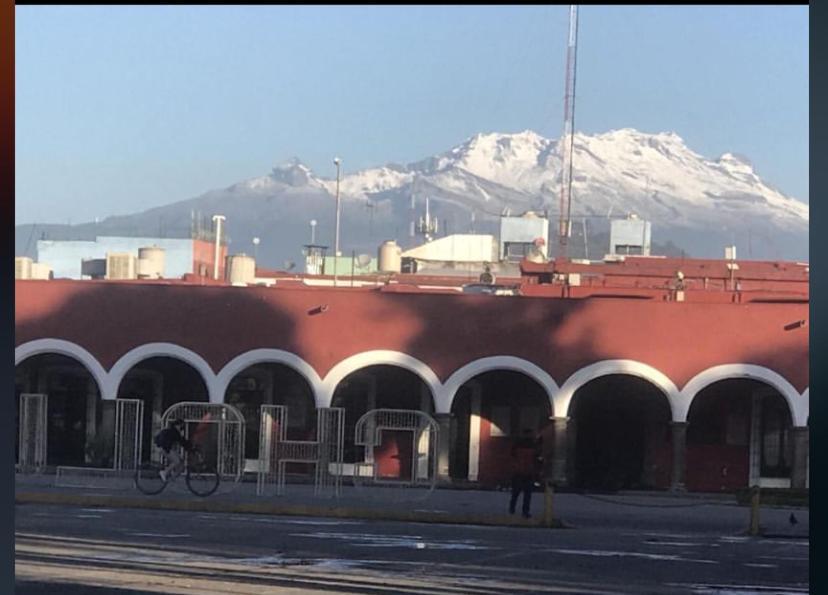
(424, 430)
(217, 429)
(276, 452)
(330, 431)
(129, 432)
(33, 432)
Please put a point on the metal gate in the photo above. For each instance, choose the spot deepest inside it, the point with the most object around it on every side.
(33, 430)
(129, 433)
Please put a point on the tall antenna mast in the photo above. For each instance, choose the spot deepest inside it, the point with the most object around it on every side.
(568, 136)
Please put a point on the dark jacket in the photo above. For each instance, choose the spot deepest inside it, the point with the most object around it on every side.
(169, 437)
(524, 457)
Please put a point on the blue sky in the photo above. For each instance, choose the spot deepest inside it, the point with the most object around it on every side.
(122, 108)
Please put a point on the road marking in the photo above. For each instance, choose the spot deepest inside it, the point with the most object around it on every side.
(759, 565)
(674, 543)
(88, 516)
(740, 589)
(166, 535)
(607, 553)
(403, 541)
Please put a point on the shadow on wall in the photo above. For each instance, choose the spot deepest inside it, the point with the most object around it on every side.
(109, 319)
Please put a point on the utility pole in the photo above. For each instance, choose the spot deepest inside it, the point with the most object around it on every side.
(217, 219)
(337, 163)
(568, 137)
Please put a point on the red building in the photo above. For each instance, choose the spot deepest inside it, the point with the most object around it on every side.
(645, 373)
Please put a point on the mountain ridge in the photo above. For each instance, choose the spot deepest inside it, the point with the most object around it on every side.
(700, 204)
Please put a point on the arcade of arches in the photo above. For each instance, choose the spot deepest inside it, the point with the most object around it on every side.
(618, 433)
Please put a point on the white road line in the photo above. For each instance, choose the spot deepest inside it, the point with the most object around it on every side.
(606, 553)
(759, 565)
(167, 535)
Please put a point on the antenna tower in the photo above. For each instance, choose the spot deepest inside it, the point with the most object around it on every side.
(427, 225)
(568, 136)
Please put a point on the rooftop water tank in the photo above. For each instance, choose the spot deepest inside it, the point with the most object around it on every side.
(150, 262)
(241, 269)
(390, 257)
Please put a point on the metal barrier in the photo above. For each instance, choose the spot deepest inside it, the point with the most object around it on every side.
(33, 430)
(218, 429)
(325, 453)
(129, 433)
(272, 428)
(424, 435)
(330, 431)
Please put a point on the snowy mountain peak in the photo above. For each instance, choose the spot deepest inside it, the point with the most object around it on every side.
(293, 172)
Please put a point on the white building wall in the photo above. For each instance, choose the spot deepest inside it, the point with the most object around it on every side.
(65, 256)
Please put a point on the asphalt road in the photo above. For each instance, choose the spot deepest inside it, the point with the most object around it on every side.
(73, 551)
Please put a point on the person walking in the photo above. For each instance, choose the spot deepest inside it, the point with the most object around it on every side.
(524, 471)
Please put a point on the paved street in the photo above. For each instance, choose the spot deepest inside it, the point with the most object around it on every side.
(128, 551)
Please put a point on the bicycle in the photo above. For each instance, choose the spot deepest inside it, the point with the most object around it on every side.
(201, 478)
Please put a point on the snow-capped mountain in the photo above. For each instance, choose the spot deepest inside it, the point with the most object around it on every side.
(653, 175)
(700, 204)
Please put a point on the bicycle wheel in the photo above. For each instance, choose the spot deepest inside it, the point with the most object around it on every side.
(202, 479)
(148, 480)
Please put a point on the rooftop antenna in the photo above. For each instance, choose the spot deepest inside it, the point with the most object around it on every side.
(568, 136)
(412, 232)
(427, 225)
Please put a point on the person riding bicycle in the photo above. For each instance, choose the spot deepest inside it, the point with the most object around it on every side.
(167, 440)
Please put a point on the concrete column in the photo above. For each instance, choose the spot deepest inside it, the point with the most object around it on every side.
(91, 417)
(571, 441)
(443, 446)
(799, 467)
(679, 455)
(474, 433)
(559, 458)
(269, 385)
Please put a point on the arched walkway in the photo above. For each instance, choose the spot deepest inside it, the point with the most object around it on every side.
(797, 404)
(61, 347)
(376, 358)
(679, 404)
(443, 402)
(263, 356)
(171, 350)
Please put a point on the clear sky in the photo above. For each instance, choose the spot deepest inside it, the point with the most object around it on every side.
(123, 108)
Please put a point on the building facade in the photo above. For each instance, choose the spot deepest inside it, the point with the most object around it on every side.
(635, 376)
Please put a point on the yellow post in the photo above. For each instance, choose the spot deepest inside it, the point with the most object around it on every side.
(548, 491)
(754, 510)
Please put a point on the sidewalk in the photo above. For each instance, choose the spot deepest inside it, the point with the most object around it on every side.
(632, 511)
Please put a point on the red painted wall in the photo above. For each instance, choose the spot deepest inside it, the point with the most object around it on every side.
(716, 468)
(108, 318)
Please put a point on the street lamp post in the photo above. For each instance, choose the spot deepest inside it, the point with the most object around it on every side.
(337, 163)
(217, 219)
(313, 231)
(256, 248)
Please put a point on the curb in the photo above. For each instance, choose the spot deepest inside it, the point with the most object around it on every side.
(92, 500)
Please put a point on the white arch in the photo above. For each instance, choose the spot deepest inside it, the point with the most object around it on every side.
(678, 403)
(148, 350)
(376, 358)
(487, 364)
(797, 405)
(69, 349)
(806, 406)
(258, 356)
